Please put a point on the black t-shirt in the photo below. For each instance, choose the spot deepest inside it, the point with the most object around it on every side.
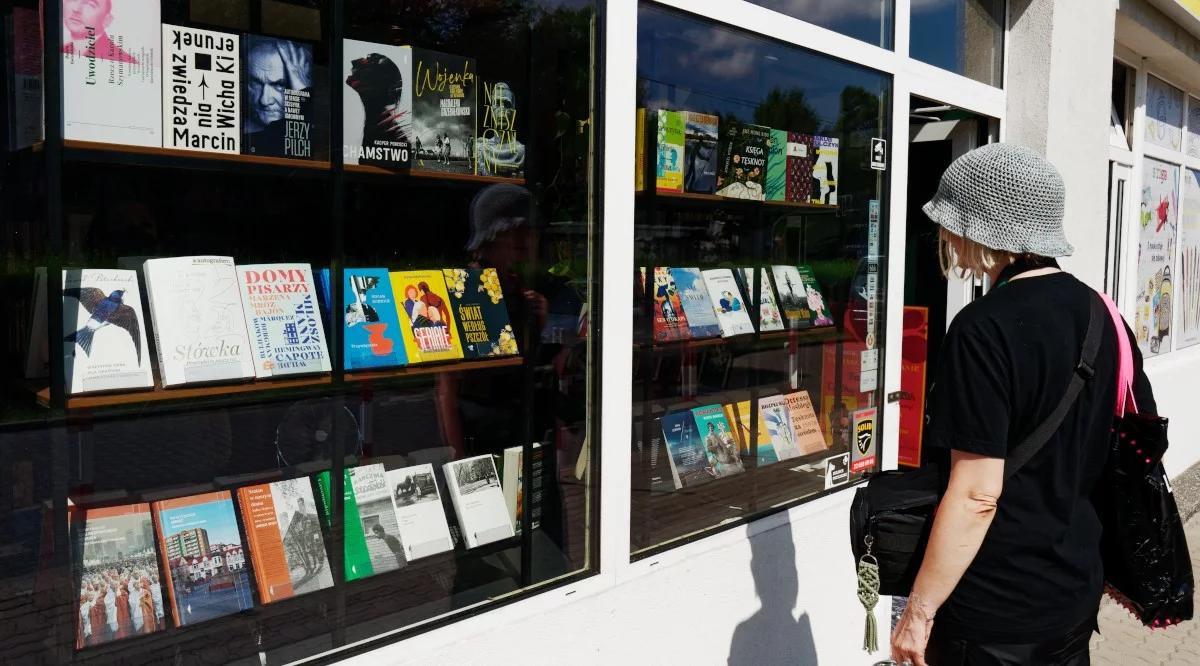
(1005, 364)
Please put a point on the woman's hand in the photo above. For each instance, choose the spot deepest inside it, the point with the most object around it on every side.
(912, 633)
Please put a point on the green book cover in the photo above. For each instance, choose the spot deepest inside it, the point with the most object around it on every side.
(670, 151)
(358, 559)
(776, 186)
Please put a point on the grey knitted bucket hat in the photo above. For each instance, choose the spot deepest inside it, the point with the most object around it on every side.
(1005, 197)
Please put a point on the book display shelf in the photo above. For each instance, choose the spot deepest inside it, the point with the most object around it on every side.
(300, 349)
(757, 320)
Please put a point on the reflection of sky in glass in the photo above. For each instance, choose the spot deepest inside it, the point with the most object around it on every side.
(938, 35)
(868, 20)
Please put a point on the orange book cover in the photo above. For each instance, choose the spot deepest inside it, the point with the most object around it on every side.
(287, 551)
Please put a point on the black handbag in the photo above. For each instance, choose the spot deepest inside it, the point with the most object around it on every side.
(892, 515)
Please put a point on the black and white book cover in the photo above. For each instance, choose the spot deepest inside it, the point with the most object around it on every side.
(279, 103)
(443, 101)
(104, 346)
(475, 491)
(201, 90)
(377, 104)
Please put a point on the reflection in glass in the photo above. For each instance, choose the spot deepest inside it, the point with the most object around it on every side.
(868, 20)
(962, 36)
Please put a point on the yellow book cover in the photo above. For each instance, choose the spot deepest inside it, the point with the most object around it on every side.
(766, 448)
(426, 319)
(640, 172)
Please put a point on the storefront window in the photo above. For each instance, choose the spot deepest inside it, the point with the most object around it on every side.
(962, 36)
(758, 313)
(868, 20)
(1164, 114)
(302, 353)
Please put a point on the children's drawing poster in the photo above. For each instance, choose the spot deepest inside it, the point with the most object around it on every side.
(1158, 222)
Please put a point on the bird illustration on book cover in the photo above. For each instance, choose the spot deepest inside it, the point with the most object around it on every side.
(105, 311)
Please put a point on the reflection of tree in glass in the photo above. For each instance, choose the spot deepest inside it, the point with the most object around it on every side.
(787, 110)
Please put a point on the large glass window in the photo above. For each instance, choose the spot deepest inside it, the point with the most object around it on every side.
(758, 316)
(962, 36)
(868, 20)
(301, 354)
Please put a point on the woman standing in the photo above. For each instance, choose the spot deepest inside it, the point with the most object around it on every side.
(1012, 572)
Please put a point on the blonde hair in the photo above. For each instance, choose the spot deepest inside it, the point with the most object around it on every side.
(964, 258)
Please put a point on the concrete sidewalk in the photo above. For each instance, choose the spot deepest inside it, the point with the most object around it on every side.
(1123, 641)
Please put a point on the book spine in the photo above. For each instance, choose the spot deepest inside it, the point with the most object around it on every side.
(155, 320)
(640, 172)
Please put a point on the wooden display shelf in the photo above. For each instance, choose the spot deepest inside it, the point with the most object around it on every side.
(434, 368)
(715, 198)
(160, 394)
(150, 151)
(431, 175)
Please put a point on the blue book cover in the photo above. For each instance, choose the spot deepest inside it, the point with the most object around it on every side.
(697, 305)
(325, 295)
(371, 324)
(481, 312)
(689, 461)
(724, 457)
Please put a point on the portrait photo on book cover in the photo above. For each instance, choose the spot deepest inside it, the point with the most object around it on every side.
(475, 475)
(279, 78)
(414, 488)
(88, 26)
(301, 534)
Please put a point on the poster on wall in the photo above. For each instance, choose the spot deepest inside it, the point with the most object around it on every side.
(1164, 114)
(202, 96)
(1156, 250)
(1188, 300)
(914, 355)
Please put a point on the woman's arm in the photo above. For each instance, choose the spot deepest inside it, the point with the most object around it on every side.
(962, 521)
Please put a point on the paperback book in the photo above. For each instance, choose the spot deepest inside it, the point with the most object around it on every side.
(112, 71)
(287, 550)
(283, 319)
(805, 425)
(825, 171)
(812, 169)
(445, 87)
(105, 346)
(377, 104)
(498, 149)
(669, 151)
(370, 322)
(815, 301)
(685, 450)
(670, 318)
(776, 183)
(720, 446)
(201, 92)
(759, 441)
(203, 557)
(419, 513)
(427, 323)
(701, 158)
(475, 492)
(769, 317)
(793, 297)
(119, 591)
(278, 100)
(773, 411)
(512, 480)
(727, 300)
(697, 306)
(199, 328)
(371, 536)
(743, 160)
(477, 301)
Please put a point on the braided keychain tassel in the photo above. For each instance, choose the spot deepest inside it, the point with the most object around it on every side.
(868, 595)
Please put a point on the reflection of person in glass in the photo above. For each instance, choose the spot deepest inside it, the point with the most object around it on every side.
(273, 68)
(85, 30)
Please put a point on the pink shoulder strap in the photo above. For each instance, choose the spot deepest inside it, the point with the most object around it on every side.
(1125, 396)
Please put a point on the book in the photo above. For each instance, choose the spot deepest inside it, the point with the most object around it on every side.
(731, 417)
(685, 450)
(203, 557)
(727, 301)
(793, 297)
(720, 445)
(769, 317)
(669, 151)
(812, 166)
(201, 90)
(23, 37)
(760, 441)
(512, 481)
(698, 310)
(283, 532)
(427, 323)
(37, 351)
(475, 492)
(119, 591)
(199, 329)
(370, 321)
(639, 177)
(444, 93)
(825, 171)
(112, 72)
(498, 149)
(743, 160)
(104, 346)
(700, 154)
(419, 513)
(773, 411)
(478, 304)
(283, 319)
(775, 188)
(371, 541)
(377, 104)
(813, 297)
(805, 425)
(670, 319)
(278, 100)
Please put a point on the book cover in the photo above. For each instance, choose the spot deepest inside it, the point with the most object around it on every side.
(283, 532)
(427, 323)
(105, 338)
(670, 319)
(119, 590)
(801, 156)
(776, 181)
(498, 149)
(199, 328)
(203, 557)
(769, 317)
(357, 560)
(669, 151)
(112, 71)
(743, 160)
(477, 301)
(512, 481)
(720, 445)
(813, 297)
(727, 301)
(685, 450)
(700, 153)
(760, 440)
(278, 100)
(371, 323)
(201, 90)
(731, 417)
(773, 412)
(697, 306)
(793, 297)
(805, 425)
(825, 171)
(377, 104)
(419, 513)
(377, 517)
(283, 319)
(475, 492)
(445, 87)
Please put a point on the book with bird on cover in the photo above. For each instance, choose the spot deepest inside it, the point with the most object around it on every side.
(105, 338)
(283, 532)
(478, 303)
(427, 322)
(475, 492)
(283, 319)
(371, 325)
(199, 327)
(372, 538)
(420, 515)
